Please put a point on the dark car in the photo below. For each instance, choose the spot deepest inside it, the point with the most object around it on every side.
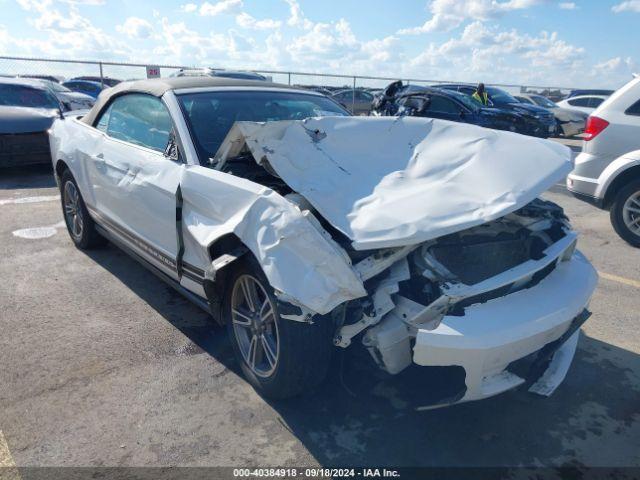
(87, 87)
(27, 110)
(539, 122)
(108, 81)
(417, 101)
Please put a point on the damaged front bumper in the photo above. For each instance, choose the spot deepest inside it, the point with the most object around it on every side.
(489, 336)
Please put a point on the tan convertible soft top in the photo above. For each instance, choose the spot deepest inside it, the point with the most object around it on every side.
(158, 86)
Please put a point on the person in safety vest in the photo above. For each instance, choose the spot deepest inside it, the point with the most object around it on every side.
(481, 95)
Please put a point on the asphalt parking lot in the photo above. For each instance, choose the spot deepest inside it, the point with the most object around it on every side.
(104, 365)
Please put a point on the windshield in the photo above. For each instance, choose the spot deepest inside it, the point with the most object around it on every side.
(471, 103)
(543, 101)
(500, 97)
(56, 87)
(23, 96)
(210, 115)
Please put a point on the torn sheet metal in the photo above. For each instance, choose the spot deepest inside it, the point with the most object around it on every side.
(297, 256)
(389, 182)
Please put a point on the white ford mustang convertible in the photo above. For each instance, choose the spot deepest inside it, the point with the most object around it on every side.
(304, 229)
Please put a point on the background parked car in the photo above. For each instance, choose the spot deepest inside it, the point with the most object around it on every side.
(362, 104)
(592, 91)
(414, 100)
(570, 121)
(87, 87)
(108, 81)
(51, 78)
(69, 100)
(584, 103)
(539, 122)
(209, 72)
(27, 110)
(607, 172)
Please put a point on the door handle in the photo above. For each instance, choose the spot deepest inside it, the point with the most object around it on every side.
(99, 162)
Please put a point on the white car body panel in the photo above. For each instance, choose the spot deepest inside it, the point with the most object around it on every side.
(388, 182)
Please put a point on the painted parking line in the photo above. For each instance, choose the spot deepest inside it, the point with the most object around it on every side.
(623, 280)
(35, 199)
(8, 468)
(6, 460)
(35, 233)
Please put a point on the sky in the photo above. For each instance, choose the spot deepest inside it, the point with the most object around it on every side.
(589, 43)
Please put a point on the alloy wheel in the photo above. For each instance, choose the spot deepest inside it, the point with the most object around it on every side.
(255, 326)
(72, 210)
(631, 213)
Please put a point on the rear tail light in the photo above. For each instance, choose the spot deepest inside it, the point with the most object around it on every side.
(594, 126)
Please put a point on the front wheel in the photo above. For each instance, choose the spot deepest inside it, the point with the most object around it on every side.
(80, 225)
(625, 213)
(281, 358)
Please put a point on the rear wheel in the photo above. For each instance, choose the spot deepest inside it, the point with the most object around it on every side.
(80, 225)
(625, 213)
(281, 358)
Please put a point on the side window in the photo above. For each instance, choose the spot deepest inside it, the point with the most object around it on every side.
(634, 109)
(103, 121)
(443, 105)
(595, 102)
(579, 102)
(140, 119)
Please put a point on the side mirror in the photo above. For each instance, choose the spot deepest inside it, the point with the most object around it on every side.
(171, 150)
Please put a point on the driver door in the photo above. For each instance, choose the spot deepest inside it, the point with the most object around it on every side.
(134, 183)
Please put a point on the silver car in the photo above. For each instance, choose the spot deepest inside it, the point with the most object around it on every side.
(570, 122)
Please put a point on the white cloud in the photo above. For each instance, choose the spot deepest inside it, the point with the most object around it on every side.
(567, 6)
(627, 6)
(34, 5)
(618, 66)
(189, 7)
(70, 35)
(134, 27)
(85, 2)
(449, 14)
(296, 16)
(245, 20)
(222, 6)
(489, 54)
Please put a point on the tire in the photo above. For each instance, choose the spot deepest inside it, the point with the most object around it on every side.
(80, 225)
(302, 350)
(628, 197)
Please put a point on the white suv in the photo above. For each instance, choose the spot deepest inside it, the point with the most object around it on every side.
(607, 172)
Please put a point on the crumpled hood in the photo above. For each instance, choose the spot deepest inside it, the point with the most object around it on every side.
(25, 119)
(395, 181)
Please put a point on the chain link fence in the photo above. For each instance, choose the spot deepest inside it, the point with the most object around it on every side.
(353, 91)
